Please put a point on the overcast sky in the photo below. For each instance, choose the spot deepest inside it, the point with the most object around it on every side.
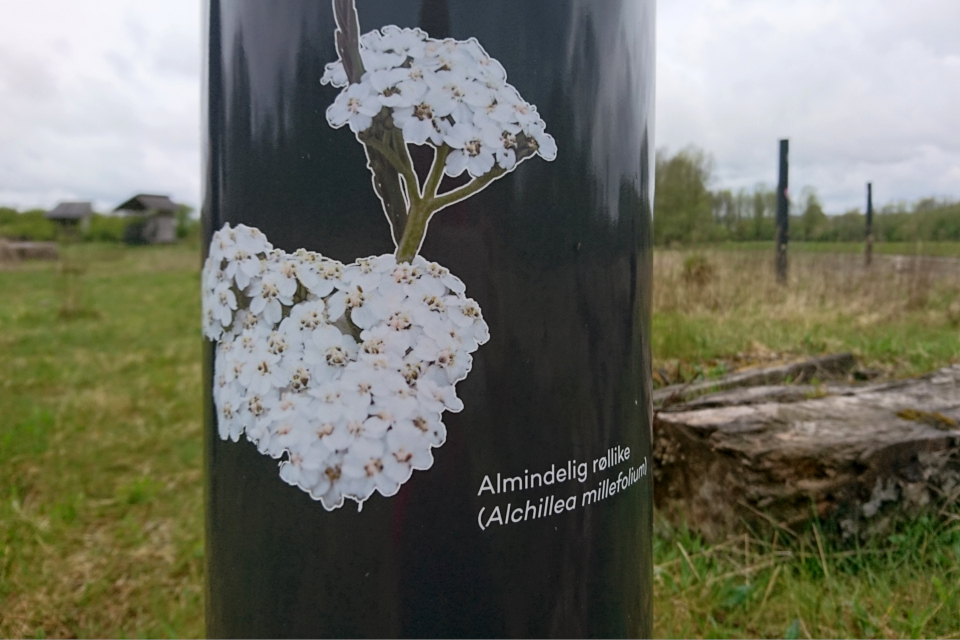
(100, 99)
(866, 90)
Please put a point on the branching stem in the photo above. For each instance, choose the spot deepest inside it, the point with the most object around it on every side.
(423, 203)
(436, 171)
(467, 190)
(421, 213)
(403, 168)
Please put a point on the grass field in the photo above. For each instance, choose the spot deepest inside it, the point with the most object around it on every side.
(716, 309)
(100, 451)
(101, 518)
(905, 585)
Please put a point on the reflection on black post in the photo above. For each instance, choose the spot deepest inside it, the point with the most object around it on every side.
(783, 213)
(869, 247)
(520, 502)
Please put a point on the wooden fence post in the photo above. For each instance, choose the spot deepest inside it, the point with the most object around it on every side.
(868, 250)
(783, 212)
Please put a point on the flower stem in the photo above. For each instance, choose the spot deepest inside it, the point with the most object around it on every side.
(413, 232)
(467, 190)
(436, 171)
(422, 211)
(347, 38)
(402, 164)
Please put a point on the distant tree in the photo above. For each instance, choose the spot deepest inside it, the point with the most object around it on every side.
(105, 228)
(185, 220)
(927, 204)
(29, 225)
(813, 220)
(683, 210)
(744, 225)
(764, 207)
(687, 211)
(847, 227)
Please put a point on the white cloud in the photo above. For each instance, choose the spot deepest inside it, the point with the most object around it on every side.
(101, 100)
(866, 90)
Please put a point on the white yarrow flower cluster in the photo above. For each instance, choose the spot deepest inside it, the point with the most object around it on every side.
(343, 371)
(441, 92)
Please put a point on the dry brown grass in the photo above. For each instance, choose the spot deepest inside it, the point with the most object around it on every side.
(725, 309)
(730, 282)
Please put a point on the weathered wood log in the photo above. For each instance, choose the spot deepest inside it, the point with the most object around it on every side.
(7, 254)
(858, 457)
(823, 367)
(28, 250)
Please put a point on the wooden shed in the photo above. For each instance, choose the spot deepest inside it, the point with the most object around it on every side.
(71, 215)
(158, 216)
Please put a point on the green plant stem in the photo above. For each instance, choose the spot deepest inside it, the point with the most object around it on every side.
(436, 171)
(414, 231)
(467, 190)
(403, 165)
(421, 212)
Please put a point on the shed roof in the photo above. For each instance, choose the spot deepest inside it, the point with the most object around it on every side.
(148, 202)
(70, 211)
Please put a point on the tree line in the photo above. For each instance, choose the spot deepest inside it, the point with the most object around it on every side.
(32, 224)
(687, 211)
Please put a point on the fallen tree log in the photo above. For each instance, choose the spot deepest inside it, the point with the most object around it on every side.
(858, 457)
(824, 367)
(28, 250)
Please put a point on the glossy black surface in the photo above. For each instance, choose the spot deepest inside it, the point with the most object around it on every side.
(558, 256)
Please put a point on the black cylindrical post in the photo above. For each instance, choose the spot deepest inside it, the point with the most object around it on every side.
(783, 212)
(869, 232)
(426, 299)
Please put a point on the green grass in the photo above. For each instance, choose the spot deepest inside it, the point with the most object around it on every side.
(790, 586)
(101, 514)
(100, 450)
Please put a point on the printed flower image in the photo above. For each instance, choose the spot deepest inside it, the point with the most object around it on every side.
(401, 87)
(343, 371)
